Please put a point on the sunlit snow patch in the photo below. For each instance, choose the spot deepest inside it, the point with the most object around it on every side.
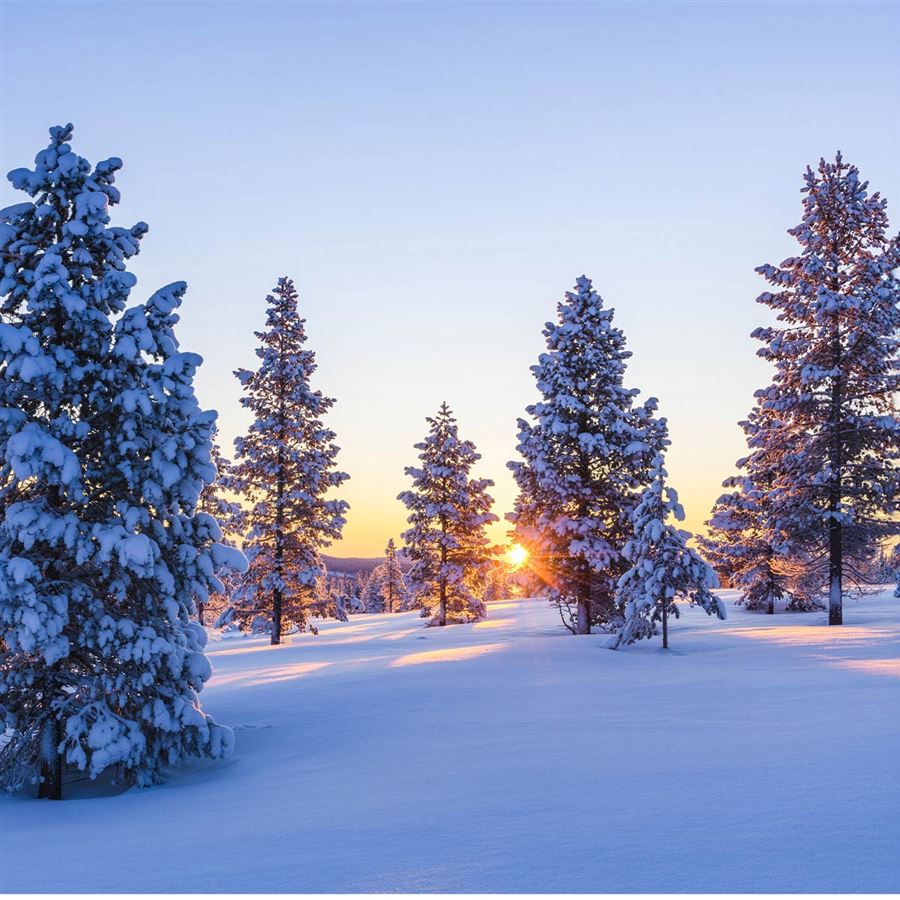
(889, 667)
(494, 623)
(271, 674)
(450, 654)
(817, 635)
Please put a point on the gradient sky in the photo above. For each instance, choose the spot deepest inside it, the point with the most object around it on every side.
(434, 177)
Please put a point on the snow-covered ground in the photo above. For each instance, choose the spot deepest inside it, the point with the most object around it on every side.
(760, 754)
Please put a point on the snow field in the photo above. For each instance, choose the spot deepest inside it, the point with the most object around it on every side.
(759, 754)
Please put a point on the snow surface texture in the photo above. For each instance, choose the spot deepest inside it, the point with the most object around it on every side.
(759, 754)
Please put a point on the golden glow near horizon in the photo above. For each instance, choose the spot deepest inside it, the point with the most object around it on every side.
(516, 556)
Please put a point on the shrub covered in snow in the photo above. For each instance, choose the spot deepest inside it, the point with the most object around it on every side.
(663, 567)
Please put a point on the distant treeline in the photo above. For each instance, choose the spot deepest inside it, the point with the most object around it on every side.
(359, 565)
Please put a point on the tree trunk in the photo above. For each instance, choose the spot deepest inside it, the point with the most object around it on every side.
(442, 606)
(276, 616)
(665, 623)
(200, 613)
(277, 595)
(835, 535)
(835, 553)
(585, 606)
(583, 617)
(51, 770)
(770, 604)
(835, 574)
(583, 620)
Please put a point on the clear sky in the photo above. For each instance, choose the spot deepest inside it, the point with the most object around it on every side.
(434, 177)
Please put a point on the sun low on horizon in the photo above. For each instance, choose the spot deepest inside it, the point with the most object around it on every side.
(516, 556)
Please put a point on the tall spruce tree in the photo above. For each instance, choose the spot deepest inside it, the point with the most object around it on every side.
(587, 452)
(285, 470)
(835, 352)
(448, 514)
(104, 452)
(663, 567)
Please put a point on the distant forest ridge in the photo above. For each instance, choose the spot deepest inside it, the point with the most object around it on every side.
(355, 565)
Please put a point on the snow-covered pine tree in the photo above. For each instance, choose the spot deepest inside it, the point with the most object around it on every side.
(285, 470)
(747, 542)
(587, 453)
(740, 546)
(393, 585)
(344, 587)
(835, 353)
(360, 588)
(496, 579)
(328, 601)
(663, 567)
(373, 594)
(418, 596)
(230, 516)
(882, 570)
(448, 514)
(105, 452)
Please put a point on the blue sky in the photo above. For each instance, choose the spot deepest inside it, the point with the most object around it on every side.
(435, 176)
